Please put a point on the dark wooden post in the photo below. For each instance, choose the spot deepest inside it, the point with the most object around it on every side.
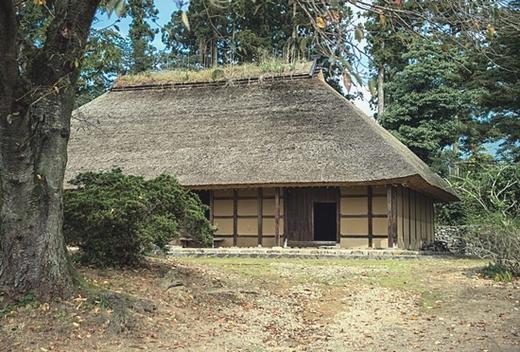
(432, 219)
(277, 216)
(370, 218)
(391, 202)
(260, 211)
(211, 208)
(338, 216)
(413, 217)
(235, 217)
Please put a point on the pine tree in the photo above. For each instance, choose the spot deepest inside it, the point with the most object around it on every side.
(142, 34)
(428, 105)
(499, 76)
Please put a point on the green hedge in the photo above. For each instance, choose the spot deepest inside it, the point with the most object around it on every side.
(114, 218)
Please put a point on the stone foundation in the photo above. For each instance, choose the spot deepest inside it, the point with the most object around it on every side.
(302, 253)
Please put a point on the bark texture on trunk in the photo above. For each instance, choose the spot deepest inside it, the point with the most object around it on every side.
(33, 251)
(214, 55)
(381, 90)
(34, 132)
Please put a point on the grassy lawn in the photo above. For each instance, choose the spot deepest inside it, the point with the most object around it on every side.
(251, 304)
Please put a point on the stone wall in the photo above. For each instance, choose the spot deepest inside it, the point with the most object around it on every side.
(451, 239)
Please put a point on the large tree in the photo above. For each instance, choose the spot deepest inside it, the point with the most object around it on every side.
(449, 75)
(238, 31)
(37, 80)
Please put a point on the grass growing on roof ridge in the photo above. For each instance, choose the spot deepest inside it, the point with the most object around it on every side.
(221, 73)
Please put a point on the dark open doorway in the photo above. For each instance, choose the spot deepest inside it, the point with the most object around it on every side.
(205, 199)
(325, 221)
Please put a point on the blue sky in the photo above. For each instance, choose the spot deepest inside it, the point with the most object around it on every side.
(165, 7)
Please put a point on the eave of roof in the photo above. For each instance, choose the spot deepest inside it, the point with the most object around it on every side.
(276, 131)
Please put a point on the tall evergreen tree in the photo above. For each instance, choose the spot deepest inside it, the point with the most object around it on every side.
(499, 76)
(428, 103)
(142, 34)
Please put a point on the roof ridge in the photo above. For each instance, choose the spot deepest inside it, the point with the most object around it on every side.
(217, 83)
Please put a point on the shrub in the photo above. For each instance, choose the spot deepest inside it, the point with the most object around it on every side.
(490, 195)
(497, 273)
(498, 240)
(485, 187)
(114, 217)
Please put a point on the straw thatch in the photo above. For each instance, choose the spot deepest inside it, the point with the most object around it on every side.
(266, 69)
(292, 131)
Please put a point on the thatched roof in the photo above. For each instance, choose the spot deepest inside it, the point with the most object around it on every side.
(267, 69)
(284, 131)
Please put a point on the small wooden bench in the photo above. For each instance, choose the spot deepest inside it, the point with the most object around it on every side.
(187, 242)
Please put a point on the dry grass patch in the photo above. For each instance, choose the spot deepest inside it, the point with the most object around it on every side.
(265, 69)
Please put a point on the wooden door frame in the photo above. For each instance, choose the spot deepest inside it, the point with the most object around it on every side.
(312, 218)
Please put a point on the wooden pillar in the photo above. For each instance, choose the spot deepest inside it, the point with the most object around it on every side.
(211, 208)
(235, 217)
(424, 235)
(338, 217)
(413, 216)
(417, 223)
(260, 212)
(277, 216)
(370, 218)
(432, 217)
(400, 218)
(406, 219)
(391, 201)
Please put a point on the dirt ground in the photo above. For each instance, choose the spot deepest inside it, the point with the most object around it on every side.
(276, 305)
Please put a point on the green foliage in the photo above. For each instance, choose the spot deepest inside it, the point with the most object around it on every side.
(236, 32)
(490, 208)
(142, 34)
(497, 273)
(499, 77)
(487, 188)
(106, 57)
(451, 82)
(249, 31)
(428, 108)
(114, 217)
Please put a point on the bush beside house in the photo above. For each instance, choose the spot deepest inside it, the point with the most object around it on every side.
(487, 220)
(113, 218)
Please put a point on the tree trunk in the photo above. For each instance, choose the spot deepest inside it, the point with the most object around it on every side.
(291, 50)
(456, 150)
(35, 112)
(214, 57)
(33, 250)
(381, 90)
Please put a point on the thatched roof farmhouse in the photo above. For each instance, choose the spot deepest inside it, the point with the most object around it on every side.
(279, 158)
